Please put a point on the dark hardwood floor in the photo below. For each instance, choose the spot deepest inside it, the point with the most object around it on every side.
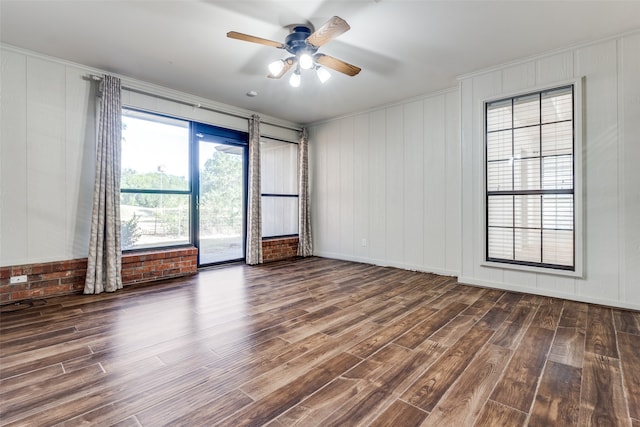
(318, 342)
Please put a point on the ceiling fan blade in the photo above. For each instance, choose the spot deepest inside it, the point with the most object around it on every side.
(328, 31)
(336, 64)
(288, 63)
(253, 39)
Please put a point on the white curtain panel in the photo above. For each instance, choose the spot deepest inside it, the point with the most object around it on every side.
(254, 210)
(104, 265)
(305, 242)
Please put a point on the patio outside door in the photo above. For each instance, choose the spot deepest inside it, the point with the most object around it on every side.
(220, 202)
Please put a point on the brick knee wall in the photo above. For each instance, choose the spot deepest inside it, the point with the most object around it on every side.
(279, 248)
(139, 267)
(68, 277)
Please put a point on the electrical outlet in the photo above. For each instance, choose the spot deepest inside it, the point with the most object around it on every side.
(364, 242)
(19, 279)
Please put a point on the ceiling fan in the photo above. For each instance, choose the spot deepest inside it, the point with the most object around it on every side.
(303, 45)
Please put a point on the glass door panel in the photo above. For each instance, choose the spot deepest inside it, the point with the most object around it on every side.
(220, 201)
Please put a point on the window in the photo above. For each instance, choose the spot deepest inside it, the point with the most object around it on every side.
(530, 180)
(155, 181)
(279, 171)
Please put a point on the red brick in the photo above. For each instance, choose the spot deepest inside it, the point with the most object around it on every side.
(77, 286)
(57, 290)
(30, 293)
(43, 284)
(13, 287)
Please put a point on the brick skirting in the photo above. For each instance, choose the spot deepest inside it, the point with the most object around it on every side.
(279, 248)
(68, 277)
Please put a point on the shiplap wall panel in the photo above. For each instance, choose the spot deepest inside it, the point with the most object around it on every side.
(611, 105)
(13, 158)
(629, 155)
(318, 181)
(452, 215)
(414, 181)
(485, 87)
(347, 188)
(80, 160)
(467, 230)
(395, 185)
(554, 68)
(598, 65)
(434, 193)
(361, 186)
(405, 205)
(334, 192)
(376, 153)
(518, 77)
(46, 193)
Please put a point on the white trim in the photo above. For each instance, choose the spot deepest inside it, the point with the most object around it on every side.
(464, 280)
(385, 263)
(578, 188)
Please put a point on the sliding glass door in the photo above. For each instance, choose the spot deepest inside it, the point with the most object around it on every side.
(221, 195)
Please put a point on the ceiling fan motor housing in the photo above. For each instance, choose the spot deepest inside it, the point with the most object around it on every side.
(296, 41)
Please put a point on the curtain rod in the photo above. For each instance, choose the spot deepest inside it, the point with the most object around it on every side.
(190, 104)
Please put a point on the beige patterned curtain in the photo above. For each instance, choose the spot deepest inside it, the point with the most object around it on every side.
(104, 265)
(305, 242)
(254, 210)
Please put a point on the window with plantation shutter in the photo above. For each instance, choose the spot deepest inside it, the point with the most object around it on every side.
(529, 170)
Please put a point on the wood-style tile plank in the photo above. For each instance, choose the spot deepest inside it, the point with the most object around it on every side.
(574, 315)
(495, 414)
(380, 393)
(431, 386)
(294, 392)
(462, 404)
(423, 331)
(602, 401)
(518, 385)
(558, 400)
(600, 338)
(627, 321)
(630, 360)
(400, 414)
(568, 347)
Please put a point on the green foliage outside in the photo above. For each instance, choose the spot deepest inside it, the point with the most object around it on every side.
(221, 194)
(130, 232)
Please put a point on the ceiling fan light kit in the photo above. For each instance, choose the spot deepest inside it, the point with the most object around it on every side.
(295, 78)
(303, 45)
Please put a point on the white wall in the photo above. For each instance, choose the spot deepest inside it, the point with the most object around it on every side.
(47, 150)
(386, 187)
(611, 145)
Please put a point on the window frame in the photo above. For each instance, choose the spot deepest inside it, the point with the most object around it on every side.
(188, 192)
(284, 195)
(578, 181)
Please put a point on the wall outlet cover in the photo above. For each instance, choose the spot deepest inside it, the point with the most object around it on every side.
(19, 279)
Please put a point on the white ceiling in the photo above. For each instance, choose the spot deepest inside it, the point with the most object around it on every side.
(405, 48)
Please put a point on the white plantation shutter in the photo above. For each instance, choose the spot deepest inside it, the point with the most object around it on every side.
(530, 179)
